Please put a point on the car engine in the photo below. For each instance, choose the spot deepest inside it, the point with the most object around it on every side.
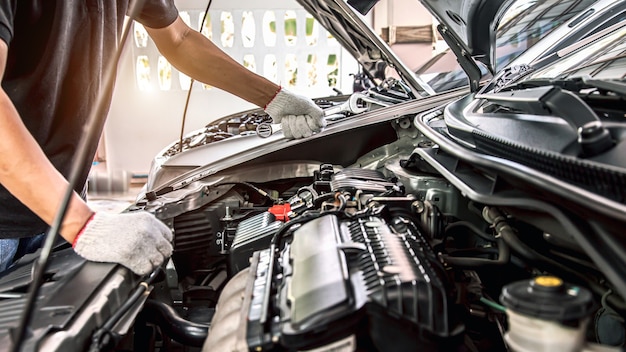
(350, 270)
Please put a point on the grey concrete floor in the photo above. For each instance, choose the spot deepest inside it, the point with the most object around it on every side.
(111, 192)
(113, 202)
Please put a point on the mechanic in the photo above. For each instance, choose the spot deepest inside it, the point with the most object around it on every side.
(52, 57)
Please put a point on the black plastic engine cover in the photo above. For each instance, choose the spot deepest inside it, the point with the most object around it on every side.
(76, 298)
(354, 279)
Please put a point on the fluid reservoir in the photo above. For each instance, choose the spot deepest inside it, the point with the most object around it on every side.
(546, 314)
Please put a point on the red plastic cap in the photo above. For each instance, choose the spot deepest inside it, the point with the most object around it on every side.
(281, 211)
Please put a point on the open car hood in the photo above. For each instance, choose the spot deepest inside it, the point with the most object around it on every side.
(362, 42)
(469, 27)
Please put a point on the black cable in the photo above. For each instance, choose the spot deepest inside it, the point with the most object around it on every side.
(82, 157)
(249, 185)
(182, 127)
(306, 217)
(249, 213)
(309, 189)
(105, 338)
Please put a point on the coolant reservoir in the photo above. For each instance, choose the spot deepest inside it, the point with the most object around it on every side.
(546, 314)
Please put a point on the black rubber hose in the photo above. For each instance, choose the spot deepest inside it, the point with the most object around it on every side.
(498, 221)
(493, 216)
(475, 230)
(179, 329)
(504, 255)
(504, 251)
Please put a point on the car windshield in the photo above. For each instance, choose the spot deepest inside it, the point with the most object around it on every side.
(524, 24)
(532, 21)
(604, 58)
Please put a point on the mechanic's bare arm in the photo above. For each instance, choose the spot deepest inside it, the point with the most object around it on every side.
(195, 55)
(28, 174)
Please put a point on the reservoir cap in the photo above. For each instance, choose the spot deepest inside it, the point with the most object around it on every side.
(547, 298)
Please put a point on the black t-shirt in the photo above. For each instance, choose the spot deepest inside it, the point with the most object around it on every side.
(58, 50)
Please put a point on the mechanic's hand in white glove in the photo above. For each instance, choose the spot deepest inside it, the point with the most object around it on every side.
(299, 116)
(137, 240)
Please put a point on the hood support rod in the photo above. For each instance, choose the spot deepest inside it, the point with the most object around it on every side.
(464, 59)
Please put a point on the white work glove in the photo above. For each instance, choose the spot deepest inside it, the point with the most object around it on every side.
(137, 240)
(299, 116)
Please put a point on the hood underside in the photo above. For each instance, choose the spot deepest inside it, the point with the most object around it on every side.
(472, 24)
(360, 40)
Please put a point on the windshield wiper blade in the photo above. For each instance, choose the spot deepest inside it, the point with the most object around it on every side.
(574, 84)
(571, 84)
(608, 85)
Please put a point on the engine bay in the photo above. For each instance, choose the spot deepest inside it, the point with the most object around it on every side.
(487, 219)
(307, 256)
(392, 244)
(365, 259)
